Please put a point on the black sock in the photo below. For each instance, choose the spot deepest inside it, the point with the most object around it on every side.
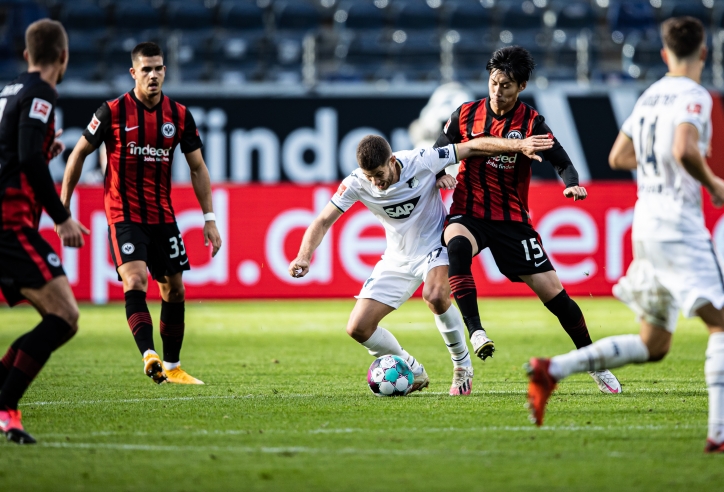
(139, 319)
(462, 283)
(172, 330)
(570, 317)
(32, 353)
(6, 363)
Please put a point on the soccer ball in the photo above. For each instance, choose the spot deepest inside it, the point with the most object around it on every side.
(390, 375)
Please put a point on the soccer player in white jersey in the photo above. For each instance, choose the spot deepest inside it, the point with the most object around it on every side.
(401, 190)
(675, 266)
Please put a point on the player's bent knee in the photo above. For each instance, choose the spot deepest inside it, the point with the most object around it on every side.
(136, 281)
(658, 355)
(438, 300)
(360, 331)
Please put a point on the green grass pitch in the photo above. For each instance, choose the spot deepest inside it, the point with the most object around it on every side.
(286, 407)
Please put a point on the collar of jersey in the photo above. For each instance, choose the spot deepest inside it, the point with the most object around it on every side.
(150, 110)
(503, 116)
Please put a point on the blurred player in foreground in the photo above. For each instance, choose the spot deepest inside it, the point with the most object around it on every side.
(29, 267)
(400, 190)
(490, 205)
(675, 266)
(141, 130)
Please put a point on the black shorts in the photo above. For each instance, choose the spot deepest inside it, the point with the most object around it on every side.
(516, 247)
(160, 246)
(26, 260)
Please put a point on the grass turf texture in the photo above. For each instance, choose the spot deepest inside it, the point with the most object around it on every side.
(286, 407)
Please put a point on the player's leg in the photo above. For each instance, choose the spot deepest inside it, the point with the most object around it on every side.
(363, 327)
(436, 293)
(59, 323)
(173, 295)
(714, 372)
(462, 245)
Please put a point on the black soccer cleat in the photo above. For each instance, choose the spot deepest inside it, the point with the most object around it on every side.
(20, 436)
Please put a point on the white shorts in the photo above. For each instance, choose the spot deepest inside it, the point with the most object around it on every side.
(393, 282)
(668, 276)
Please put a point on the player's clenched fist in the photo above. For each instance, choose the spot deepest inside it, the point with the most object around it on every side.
(299, 268)
(575, 192)
(446, 182)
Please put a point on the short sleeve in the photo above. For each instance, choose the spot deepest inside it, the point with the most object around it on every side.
(451, 131)
(437, 159)
(627, 127)
(98, 127)
(345, 196)
(694, 107)
(190, 139)
(36, 108)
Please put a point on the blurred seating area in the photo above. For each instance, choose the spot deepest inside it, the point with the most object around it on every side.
(233, 42)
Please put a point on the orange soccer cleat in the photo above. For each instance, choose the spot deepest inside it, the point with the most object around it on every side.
(153, 368)
(540, 388)
(179, 376)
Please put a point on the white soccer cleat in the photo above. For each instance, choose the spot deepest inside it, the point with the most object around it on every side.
(482, 345)
(606, 381)
(462, 383)
(421, 380)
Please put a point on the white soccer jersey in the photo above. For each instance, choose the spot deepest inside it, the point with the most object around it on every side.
(411, 210)
(669, 199)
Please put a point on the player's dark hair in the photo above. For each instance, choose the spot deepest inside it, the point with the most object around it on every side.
(45, 40)
(147, 48)
(513, 61)
(373, 151)
(682, 35)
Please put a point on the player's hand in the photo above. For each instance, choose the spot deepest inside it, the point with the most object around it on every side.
(211, 235)
(575, 192)
(446, 182)
(71, 233)
(716, 190)
(57, 147)
(537, 143)
(299, 267)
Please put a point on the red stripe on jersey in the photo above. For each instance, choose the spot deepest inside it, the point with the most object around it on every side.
(149, 169)
(44, 270)
(133, 141)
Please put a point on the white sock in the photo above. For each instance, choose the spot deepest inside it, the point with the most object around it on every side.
(606, 353)
(452, 330)
(382, 342)
(714, 371)
(171, 365)
(149, 351)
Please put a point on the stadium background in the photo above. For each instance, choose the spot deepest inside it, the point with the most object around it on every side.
(282, 91)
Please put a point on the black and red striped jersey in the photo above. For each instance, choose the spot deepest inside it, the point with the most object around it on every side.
(140, 143)
(496, 188)
(27, 125)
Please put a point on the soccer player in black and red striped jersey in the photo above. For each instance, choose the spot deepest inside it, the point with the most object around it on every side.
(490, 204)
(141, 130)
(29, 267)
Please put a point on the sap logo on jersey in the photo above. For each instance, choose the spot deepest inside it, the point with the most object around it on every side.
(134, 149)
(401, 210)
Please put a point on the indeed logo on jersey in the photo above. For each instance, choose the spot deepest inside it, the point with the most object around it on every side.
(134, 149)
(503, 161)
(401, 210)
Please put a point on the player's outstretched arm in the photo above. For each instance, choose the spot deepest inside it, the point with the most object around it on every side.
(313, 236)
(201, 182)
(685, 150)
(74, 168)
(623, 155)
(490, 146)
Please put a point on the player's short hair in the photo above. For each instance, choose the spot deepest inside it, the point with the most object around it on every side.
(45, 40)
(682, 35)
(373, 151)
(147, 48)
(514, 61)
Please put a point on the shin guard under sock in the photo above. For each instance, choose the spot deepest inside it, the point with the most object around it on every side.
(139, 319)
(172, 330)
(462, 283)
(571, 318)
(6, 363)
